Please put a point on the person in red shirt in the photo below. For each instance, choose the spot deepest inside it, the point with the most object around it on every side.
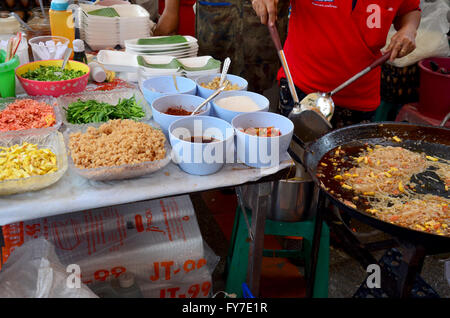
(331, 40)
(177, 17)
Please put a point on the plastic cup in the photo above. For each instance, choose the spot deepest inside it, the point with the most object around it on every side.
(52, 47)
(7, 75)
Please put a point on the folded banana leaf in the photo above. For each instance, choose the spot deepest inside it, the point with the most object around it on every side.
(174, 39)
(175, 64)
(105, 12)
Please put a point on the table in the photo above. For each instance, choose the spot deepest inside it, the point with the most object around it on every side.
(74, 193)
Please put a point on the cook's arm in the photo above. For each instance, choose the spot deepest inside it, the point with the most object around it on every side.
(266, 10)
(404, 41)
(168, 22)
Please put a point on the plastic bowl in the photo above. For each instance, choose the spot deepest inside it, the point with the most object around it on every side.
(228, 115)
(187, 102)
(56, 88)
(109, 173)
(155, 87)
(55, 142)
(262, 152)
(5, 102)
(205, 92)
(201, 158)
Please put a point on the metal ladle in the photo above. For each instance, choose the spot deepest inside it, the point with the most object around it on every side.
(324, 102)
(309, 124)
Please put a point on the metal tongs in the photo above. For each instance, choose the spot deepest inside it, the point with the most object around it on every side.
(309, 123)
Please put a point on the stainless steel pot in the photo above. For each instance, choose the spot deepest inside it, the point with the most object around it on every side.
(291, 200)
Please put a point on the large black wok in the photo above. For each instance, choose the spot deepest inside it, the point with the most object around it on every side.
(433, 141)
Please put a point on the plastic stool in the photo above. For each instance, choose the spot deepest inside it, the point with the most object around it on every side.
(237, 260)
(410, 113)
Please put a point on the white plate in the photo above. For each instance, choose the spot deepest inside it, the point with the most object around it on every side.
(124, 11)
(93, 38)
(198, 61)
(133, 42)
(159, 59)
(162, 51)
(118, 61)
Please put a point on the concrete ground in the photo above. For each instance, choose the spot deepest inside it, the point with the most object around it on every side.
(346, 275)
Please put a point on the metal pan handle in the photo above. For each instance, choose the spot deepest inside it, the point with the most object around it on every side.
(277, 42)
(445, 120)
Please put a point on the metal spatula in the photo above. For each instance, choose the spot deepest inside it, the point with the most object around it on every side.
(309, 124)
(324, 102)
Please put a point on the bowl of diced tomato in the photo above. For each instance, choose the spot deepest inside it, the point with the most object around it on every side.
(47, 78)
(262, 138)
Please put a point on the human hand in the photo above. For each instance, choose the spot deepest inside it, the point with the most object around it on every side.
(402, 43)
(266, 10)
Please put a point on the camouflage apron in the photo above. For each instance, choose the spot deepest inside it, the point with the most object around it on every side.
(230, 28)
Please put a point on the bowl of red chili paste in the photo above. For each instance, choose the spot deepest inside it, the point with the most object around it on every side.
(166, 109)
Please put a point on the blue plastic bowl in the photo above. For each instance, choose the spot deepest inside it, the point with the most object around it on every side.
(205, 93)
(187, 102)
(228, 115)
(262, 152)
(201, 158)
(155, 87)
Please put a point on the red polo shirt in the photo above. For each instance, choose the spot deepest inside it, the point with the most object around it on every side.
(186, 25)
(328, 42)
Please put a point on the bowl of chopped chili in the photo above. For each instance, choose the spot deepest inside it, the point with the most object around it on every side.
(166, 109)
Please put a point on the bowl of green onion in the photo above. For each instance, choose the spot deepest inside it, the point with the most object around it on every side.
(47, 78)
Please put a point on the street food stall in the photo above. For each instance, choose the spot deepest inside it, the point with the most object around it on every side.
(107, 131)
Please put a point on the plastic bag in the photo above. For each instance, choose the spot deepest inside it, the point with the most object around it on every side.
(431, 37)
(34, 271)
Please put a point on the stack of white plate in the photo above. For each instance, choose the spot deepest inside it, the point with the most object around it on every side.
(179, 50)
(124, 62)
(199, 61)
(105, 32)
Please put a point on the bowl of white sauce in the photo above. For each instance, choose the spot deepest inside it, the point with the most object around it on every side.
(228, 105)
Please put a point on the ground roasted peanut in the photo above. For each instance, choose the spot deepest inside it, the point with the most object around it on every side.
(115, 143)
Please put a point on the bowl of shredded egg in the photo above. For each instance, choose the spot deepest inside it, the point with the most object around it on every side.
(206, 85)
(228, 105)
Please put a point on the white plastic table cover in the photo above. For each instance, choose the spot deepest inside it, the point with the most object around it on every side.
(74, 193)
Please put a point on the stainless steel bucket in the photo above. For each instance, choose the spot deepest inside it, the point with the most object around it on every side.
(291, 200)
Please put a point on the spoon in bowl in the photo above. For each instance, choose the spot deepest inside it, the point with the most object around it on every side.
(67, 54)
(217, 92)
(226, 66)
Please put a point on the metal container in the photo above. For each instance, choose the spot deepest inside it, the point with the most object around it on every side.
(291, 200)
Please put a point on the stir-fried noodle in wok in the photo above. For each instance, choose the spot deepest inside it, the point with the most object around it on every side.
(391, 183)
